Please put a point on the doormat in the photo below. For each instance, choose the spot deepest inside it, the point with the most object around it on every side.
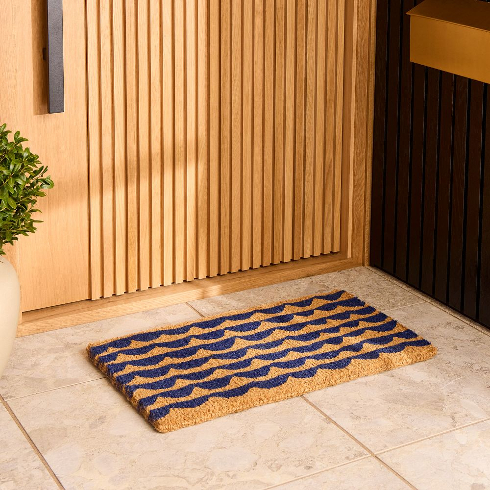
(185, 374)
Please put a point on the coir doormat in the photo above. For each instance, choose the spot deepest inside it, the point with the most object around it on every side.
(181, 375)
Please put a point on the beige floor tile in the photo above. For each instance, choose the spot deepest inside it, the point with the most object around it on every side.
(366, 474)
(54, 359)
(369, 286)
(425, 297)
(417, 401)
(20, 467)
(453, 461)
(93, 439)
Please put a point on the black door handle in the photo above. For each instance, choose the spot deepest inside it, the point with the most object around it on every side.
(56, 77)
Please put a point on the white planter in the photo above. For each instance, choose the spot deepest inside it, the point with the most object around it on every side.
(9, 309)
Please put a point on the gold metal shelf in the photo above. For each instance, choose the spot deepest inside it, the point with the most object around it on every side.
(452, 36)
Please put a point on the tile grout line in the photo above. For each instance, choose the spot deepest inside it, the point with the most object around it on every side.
(325, 470)
(197, 311)
(371, 453)
(430, 300)
(53, 389)
(31, 443)
(438, 434)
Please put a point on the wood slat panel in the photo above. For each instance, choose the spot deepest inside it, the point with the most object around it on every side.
(95, 194)
(214, 136)
(290, 129)
(144, 160)
(190, 35)
(319, 180)
(236, 134)
(202, 188)
(131, 144)
(278, 167)
(225, 137)
(310, 128)
(180, 132)
(156, 157)
(120, 152)
(269, 74)
(247, 125)
(218, 137)
(338, 42)
(300, 129)
(430, 196)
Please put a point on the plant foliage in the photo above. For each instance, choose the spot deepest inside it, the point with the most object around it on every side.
(22, 180)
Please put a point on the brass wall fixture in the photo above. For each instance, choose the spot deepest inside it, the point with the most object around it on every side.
(452, 36)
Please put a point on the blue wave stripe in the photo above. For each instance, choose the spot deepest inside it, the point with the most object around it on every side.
(225, 345)
(217, 334)
(206, 324)
(224, 381)
(167, 383)
(161, 412)
(198, 362)
(180, 343)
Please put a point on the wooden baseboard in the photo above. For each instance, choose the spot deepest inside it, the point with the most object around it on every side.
(57, 317)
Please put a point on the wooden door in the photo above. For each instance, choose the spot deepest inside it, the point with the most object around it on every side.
(53, 264)
(215, 136)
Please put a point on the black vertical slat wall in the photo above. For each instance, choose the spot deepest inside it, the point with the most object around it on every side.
(431, 173)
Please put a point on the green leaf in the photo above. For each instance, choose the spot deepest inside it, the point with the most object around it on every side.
(22, 181)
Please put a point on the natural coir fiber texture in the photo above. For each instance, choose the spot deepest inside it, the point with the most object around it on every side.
(185, 374)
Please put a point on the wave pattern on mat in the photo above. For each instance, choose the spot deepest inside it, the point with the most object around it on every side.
(185, 374)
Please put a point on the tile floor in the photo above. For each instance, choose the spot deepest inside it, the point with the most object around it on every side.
(425, 426)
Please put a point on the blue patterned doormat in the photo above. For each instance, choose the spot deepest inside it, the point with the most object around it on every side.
(185, 374)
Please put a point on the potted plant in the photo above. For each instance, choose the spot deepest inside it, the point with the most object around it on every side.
(22, 180)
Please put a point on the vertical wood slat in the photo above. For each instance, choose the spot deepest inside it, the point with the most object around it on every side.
(106, 128)
(391, 145)
(416, 172)
(404, 149)
(473, 200)
(444, 188)
(94, 131)
(430, 184)
(120, 152)
(329, 123)
(168, 139)
(379, 133)
(484, 275)
(456, 244)
(219, 127)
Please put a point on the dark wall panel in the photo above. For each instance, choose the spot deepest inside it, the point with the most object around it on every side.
(431, 173)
